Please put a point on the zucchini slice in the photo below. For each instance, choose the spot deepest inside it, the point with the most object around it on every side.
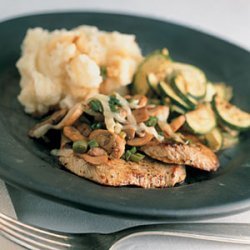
(214, 139)
(177, 109)
(179, 85)
(166, 91)
(156, 62)
(202, 120)
(153, 82)
(227, 130)
(210, 92)
(229, 140)
(230, 115)
(223, 91)
(195, 79)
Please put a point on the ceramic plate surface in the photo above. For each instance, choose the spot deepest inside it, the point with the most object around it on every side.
(28, 165)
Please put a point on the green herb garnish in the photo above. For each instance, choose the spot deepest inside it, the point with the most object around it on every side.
(80, 147)
(131, 153)
(113, 103)
(96, 125)
(93, 144)
(152, 121)
(133, 150)
(136, 157)
(127, 155)
(96, 106)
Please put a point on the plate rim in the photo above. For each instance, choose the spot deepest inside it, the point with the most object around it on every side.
(182, 215)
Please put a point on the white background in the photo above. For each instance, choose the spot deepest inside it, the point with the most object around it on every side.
(228, 19)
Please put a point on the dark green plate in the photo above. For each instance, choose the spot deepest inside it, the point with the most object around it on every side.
(28, 165)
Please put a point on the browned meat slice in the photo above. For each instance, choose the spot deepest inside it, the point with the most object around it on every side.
(195, 154)
(118, 172)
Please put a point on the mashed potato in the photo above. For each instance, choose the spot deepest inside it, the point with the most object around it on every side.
(63, 67)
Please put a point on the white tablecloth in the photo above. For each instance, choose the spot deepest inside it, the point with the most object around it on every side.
(229, 19)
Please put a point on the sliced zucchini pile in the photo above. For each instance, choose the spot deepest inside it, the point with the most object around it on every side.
(186, 90)
(230, 115)
(156, 63)
(186, 85)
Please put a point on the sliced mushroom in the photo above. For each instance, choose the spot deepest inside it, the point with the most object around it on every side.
(141, 115)
(84, 129)
(110, 142)
(121, 115)
(137, 101)
(143, 100)
(161, 112)
(97, 151)
(169, 133)
(72, 133)
(177, 123)
(64, 141)
(98, 116)
(140, 141)
(58, 116)
(41, 128)
(70, 118)
(194, 139)
(130, 133)
(94, 160)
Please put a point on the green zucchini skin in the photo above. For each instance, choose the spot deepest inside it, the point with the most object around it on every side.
(184, 96)
(166, 90)
(153, 86)
(177, 109)
(222, 109)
